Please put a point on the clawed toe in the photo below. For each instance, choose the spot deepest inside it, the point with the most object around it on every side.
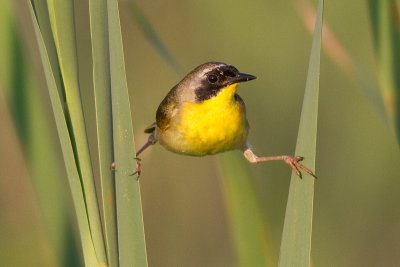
(294, 163)
(138, 169)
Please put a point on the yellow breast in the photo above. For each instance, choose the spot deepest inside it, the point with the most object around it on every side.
(214, 125)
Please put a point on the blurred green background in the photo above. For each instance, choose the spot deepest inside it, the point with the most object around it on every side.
(356, 218)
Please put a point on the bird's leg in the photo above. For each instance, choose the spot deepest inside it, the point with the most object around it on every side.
(150, 141)
(292, 161)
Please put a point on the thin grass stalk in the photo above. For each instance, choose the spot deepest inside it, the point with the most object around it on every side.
(131, 240)
(386, 35)
(103, 109)
(297, 230)
(88, 251)
(34, 128)
(63, 27)
(42, 15)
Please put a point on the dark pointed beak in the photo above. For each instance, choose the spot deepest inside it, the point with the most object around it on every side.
(243, 77)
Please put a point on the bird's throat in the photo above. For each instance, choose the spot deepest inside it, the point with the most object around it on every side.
(214, 125)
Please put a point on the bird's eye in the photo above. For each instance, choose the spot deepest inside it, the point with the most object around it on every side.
(212, 78)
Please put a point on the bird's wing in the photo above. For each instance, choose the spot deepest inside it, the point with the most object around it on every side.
(167, 110)
(240, 101)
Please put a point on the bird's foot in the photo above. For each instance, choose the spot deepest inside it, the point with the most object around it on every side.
(294, 163)
(138, 169)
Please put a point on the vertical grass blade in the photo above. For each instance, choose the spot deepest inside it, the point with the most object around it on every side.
(63, 27)
(33, 124)
(88, 252)
(341, 57)
(102, 96)
(297, 230)
(386, 34)
(6, 24)
(131, 240)
(42, 15)
(246, 220)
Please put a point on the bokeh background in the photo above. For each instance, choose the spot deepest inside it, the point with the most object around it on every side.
(356, 213)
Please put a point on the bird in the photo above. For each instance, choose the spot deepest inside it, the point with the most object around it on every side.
(203, 115)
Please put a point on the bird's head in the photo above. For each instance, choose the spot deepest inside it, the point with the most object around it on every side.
(208, 79)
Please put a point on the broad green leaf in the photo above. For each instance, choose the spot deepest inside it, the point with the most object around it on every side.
(131, 240)
(297, 230)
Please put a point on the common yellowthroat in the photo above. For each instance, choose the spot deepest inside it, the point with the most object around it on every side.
(203, 115)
